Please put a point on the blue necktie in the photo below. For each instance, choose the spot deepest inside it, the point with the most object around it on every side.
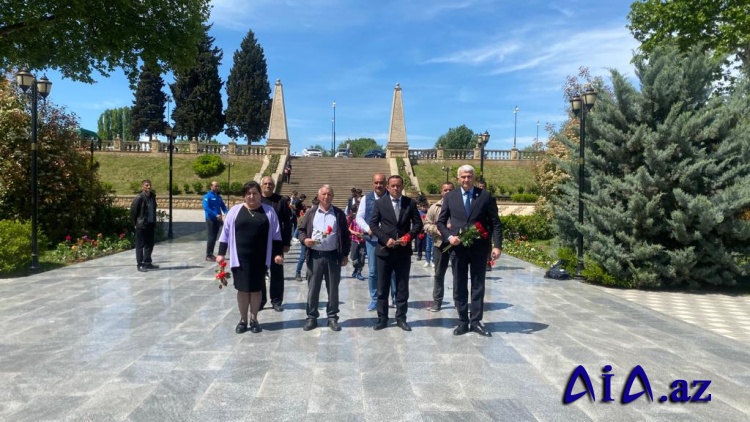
(467, 203)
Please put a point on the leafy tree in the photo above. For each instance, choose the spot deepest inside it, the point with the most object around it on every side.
(719, 26)
(198, 111)
(668, 176)
(149, 105)
(458, 138)
(70, 193)
(115, 122)
(360, 146)
(80, 36)
(248, 92)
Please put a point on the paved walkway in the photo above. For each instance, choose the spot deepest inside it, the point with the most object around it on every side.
(98, 341)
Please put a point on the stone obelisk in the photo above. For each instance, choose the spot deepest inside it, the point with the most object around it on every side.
(397, 145)
(278, 136)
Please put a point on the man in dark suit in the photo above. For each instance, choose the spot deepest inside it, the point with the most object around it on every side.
(393, 217)
(463, 208)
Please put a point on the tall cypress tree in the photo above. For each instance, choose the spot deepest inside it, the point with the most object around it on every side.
(667, 176)
(248, 92)
(149, 105)
(198, 111)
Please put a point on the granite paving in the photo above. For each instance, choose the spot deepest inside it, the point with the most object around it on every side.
(99, 341)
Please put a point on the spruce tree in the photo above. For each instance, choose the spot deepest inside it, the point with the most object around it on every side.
(667, 176)
(248, 92)
(198, 111)
(149, 105)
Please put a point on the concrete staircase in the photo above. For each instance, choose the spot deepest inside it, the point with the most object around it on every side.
(310, 173)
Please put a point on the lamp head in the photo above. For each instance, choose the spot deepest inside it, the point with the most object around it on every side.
(24, 79)
(43, 86)
(589, 98)
(575, 105)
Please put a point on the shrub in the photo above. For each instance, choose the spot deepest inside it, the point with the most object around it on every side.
(527, 227)
(570, 259)
(524, 197)
(525, 250)
(432, 188)
(235, 188)
(596, 274)
(15, 246)
(198, 188)
(186, 188)
(521, 189)
(175, 189)
(110, 219)
(208, 165)
(224, 186)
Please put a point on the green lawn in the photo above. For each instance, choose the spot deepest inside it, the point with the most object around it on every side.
(496, 174)
(122, 170)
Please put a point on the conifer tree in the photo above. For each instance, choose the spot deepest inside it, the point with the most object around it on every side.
(667, 176)
(149, 105)
(248, 92)
(198, 111)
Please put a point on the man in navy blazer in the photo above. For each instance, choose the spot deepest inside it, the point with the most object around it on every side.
(393, 217)
(463, 208)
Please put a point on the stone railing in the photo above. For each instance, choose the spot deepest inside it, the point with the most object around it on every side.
(180, 147)
(473, 154)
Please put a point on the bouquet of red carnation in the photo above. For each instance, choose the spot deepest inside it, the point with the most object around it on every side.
(469, 234)
(221, 275)
(405, 239)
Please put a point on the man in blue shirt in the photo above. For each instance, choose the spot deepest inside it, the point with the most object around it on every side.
(213, 206)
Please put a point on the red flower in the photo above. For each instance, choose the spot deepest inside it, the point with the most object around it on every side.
(405, 238)
(223, 264)
(329, 230)
(68, 238)
(420, 236)
(491, 263)
(122, 235)
(222, 275)
(423, 216)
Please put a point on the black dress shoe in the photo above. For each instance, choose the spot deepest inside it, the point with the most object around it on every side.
(310, 324)
(142, 269)
(334, 325)
(241, 327)
(277, 307)
(151, 266)
(480, 329)
(403, 325)
(382, 323)
(462, 329)
(435, 307)
(255, 327)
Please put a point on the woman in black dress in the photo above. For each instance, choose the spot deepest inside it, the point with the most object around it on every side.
(252, 235)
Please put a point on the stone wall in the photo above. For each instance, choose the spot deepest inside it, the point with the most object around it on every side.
(179, 202)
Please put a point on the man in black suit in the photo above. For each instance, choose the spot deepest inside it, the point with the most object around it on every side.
(393, 217)
(463, 208)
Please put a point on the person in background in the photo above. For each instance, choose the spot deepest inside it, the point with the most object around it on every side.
(280, 204)
(359, 250)
(288, 172)
(481, 184)
(293, 200)
(301, 209)
(349, 202)
(442, 259)
(213, 206)
(252, 236)
(143, 216)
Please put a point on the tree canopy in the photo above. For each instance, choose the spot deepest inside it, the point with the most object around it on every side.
(360, 146)
(720, 27)
(198, 111)
(78, 37)
(115, 122)
(457, 138)
(667, 176)
(149, 105)
(248, 92)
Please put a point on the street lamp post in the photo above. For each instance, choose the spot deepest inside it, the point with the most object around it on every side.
(229, 180)
(333, 151)
(582, 104)
(92, 152)
(483, 139)
(446, 169)
(537, 131)
(515, 125)
(170, 133)
(41, 87)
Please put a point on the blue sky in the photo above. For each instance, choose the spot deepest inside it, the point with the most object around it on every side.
(458, 62)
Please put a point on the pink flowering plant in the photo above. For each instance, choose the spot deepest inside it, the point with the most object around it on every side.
(91, 246)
